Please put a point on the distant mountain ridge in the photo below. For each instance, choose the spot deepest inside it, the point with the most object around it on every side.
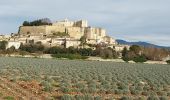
(145, 44)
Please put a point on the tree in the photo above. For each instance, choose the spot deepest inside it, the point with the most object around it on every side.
(71, 50)
(136, 49)
(32, 48)
(3, 45)
(54, 50)
(140, 59)
(10, 50)
(106, 53)
(83, 41)
(168, 61)
(155, 53)
(124, 52)
(85, 52)
(26, 23)
(37, 22)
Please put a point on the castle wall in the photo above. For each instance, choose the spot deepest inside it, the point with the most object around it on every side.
(35, 30)
(81, 23)
(95, 33)
(53, 29)
(75, 32)
(64, 24)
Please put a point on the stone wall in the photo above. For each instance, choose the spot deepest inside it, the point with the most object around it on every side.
(32, 29)
(53, 29)
(75, 32)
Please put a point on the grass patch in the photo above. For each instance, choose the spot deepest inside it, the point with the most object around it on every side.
(1, 94)
(8, 98)
(69, 56)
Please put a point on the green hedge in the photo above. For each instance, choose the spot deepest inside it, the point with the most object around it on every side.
(69, 56)
(140, 59)
(168, 61)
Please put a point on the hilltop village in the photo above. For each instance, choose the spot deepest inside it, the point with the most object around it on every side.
(70, 33)
(73, 40)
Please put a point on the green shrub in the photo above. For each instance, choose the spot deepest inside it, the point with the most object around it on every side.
(98, 98)
(163, 98)
(152, 98)
(168, 61)
(88, 97)
(67, 97)
(79, 97)
(1, 94)
(47, 86)
(65, 89)
(69, 56)
(8, 98)
(126, 59)
(125, 98)
(168, 94)
(135, 92)
(117, 91)
(139, 59)
(25, 77)
(141, 98)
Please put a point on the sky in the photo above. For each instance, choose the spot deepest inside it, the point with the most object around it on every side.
(131, 20)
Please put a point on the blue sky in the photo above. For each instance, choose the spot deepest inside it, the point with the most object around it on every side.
(132, 20)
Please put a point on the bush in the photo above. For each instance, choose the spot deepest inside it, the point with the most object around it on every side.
(25, 77)
(135, 92)
(32, 48)
(88, 97)
(3, 45)
(125, 98)
(79, 97)
(98, 98)
(85, 52)
(67, 97)
(168, 61)
(1, 94)
(117, 91)
(47, 86)
(163, 98)
(69, 56)
(8, 98)
(139, 59)
(152, 98)
(168, 94)
(65, 89)
(126, 59)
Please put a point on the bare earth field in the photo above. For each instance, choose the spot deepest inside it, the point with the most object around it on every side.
(51, 79)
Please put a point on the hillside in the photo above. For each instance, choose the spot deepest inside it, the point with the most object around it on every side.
(145, 44)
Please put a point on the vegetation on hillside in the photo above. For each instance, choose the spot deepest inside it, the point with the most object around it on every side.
(60, 34)
(135, 53)
(142, 54)
(36, 23)
(3, 45)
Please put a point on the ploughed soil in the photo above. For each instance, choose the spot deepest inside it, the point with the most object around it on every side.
(32, 90)
(21, 90)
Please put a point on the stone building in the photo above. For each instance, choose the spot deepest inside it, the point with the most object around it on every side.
(48, 34)
(75, 29)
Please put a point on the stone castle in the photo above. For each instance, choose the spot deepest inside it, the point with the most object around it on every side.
(59, 32)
